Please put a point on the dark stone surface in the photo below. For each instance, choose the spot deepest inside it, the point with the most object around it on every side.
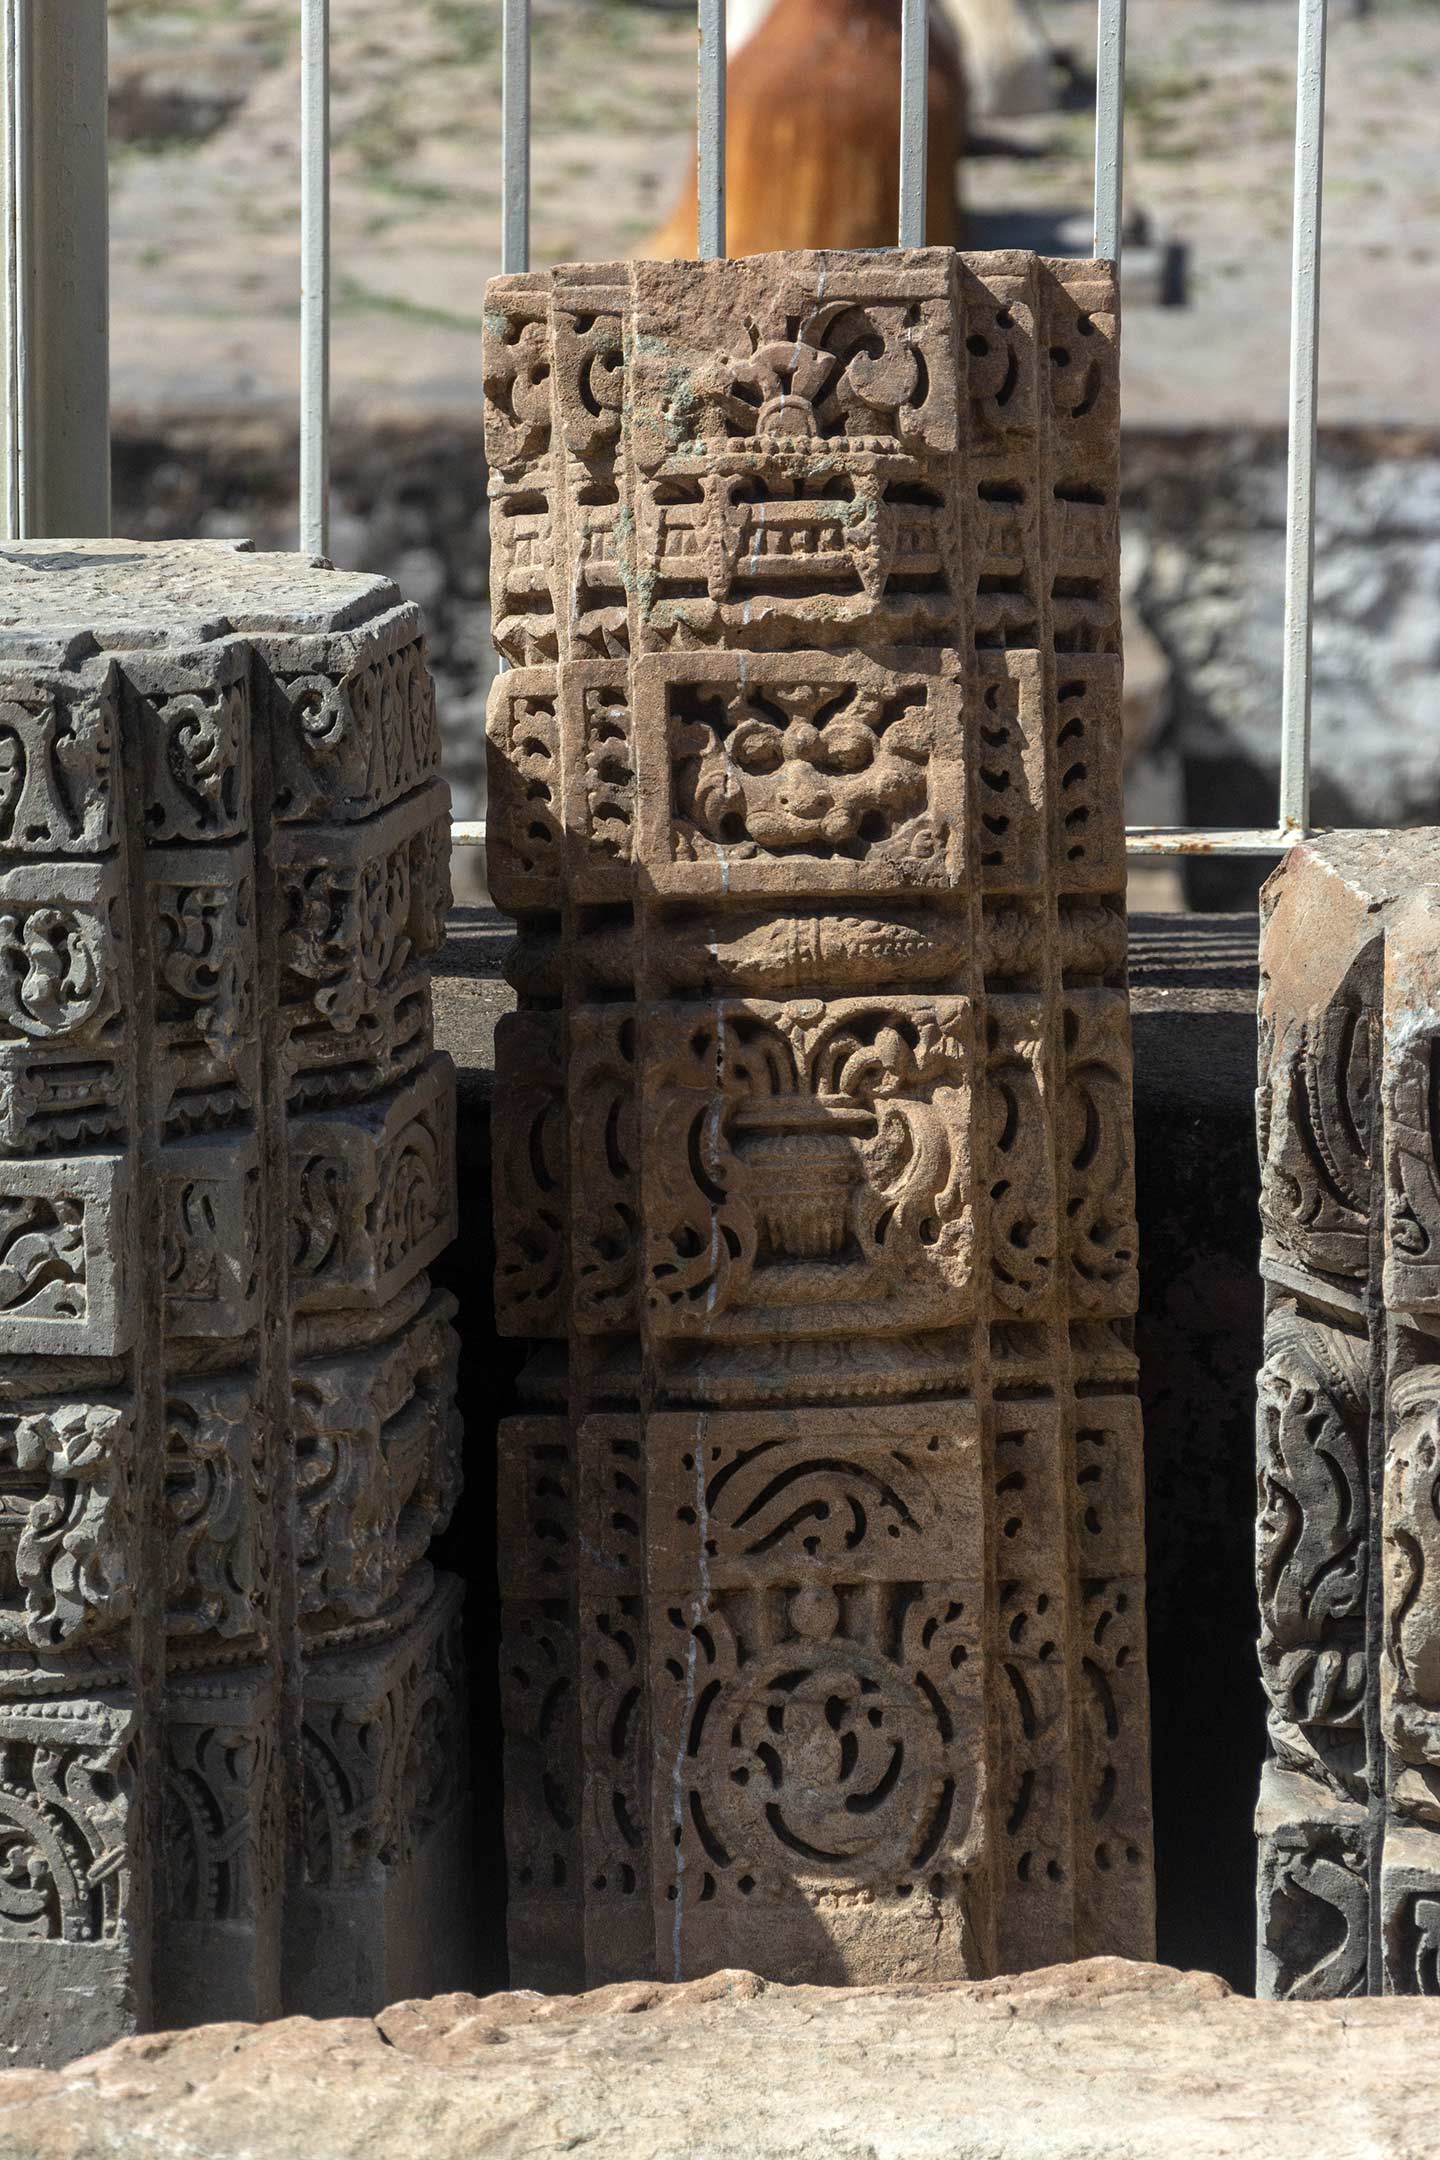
(470, 993)
(1198, 1335)
(1193, 990)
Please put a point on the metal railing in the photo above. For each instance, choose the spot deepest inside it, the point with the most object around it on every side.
(55, 376)
(53, 170)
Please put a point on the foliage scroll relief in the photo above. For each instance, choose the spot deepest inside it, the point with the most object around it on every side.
(230, 1725)
(822, 1542)
(1348, 1525)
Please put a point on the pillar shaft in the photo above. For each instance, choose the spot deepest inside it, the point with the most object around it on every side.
(822, 1523)
(1348, 1531)
(228, 1715)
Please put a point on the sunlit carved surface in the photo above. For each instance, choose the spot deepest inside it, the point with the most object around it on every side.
(821, 1524)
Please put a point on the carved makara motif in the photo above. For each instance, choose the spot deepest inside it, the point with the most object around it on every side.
(1315, 1917)
(820, 1536)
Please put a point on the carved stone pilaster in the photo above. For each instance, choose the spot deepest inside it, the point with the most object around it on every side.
(1349, 1432)
(226, 1160)
(821, 1525)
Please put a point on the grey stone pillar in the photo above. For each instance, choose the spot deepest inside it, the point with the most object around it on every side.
(1349, 1430)
(229, 1723)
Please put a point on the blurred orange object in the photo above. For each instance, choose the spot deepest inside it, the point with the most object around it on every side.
(813, 134)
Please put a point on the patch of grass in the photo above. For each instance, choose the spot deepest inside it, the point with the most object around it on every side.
(354, 298)
(268, 22)
(385, 180)
(474, 30)
(382, 134)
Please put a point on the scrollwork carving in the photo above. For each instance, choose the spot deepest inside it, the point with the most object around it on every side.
(66, 1468)
(67, 1821)
(823, 1577)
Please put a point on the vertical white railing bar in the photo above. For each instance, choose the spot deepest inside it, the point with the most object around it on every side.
(57, 270)
(315, 277)
(1109, 129)
(710, 132)
(515, 136)
(1304, 372)
(17, 423)
(914, 118)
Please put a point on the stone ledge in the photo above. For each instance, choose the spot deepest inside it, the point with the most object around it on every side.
(1103, 2060)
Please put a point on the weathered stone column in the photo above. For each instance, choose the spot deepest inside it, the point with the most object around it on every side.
(821, 1529)
(228, 1724)
(1349, 1432)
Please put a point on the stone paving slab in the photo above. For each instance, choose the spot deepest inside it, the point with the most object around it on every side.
(1103, 2060)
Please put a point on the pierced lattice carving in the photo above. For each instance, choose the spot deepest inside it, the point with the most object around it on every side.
(821, 1529)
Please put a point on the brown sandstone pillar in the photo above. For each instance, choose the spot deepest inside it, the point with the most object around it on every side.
(229, 1730)
(1349, 1443)
(821, 1527)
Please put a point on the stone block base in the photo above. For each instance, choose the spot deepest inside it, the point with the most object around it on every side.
(59, 2000)
(385, 1907)
(392, 1934)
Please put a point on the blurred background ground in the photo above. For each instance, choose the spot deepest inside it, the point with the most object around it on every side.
(205, 320)
(206, 192)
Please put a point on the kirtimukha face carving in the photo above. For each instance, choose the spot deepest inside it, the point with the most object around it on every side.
(809, 766)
